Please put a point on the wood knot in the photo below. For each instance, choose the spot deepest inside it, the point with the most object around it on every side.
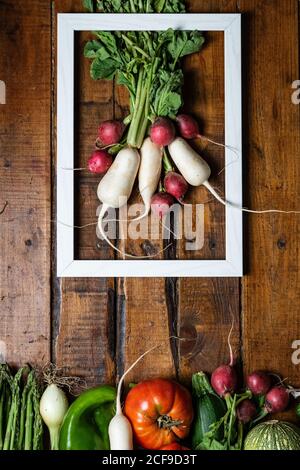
(281, 243)
(188, 333)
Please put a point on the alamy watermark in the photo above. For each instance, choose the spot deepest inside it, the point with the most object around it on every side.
(2, 92)
(182, 222)
(3, 352)
(296, 353)
(296, 94)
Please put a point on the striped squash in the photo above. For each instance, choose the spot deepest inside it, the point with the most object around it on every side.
(273, 435)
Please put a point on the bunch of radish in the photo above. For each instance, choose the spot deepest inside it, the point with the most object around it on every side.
(266, 392)
(166, 165)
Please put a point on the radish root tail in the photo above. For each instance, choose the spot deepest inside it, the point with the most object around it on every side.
(243, 209)
(114, 247)
(231, 357)
(120, 384)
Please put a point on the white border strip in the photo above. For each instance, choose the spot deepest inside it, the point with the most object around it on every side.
(66, 265)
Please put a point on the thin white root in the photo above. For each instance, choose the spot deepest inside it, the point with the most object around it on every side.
(229, 147)
(118, 407)
(243, 209)
(123, 253)
(73, 169)
(121, 381)
(51, 374)
(231, 357)
(75, 226)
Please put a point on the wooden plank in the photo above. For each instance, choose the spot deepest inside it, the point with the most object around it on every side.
(84, 315)
(143, 322)
(270, 300)
(207, 308)
(25, 182)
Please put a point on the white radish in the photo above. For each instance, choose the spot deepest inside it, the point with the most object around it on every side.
(149, 173)
(193, 168)
(116, 185)
(115, 188)
(196, 172)
(120, 429)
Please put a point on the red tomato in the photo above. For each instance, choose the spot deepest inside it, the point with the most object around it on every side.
(174, 446)
(160, 412)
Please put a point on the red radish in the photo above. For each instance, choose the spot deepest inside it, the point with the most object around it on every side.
(259, 382)
(100, 162)
(162, 132)
(175, 185)
(224, 380)
(188, 126)
(161, 203)
(189, 129)
(246, 411)
(277, 399)
(110, 132)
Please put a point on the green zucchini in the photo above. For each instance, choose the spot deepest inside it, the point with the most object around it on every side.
(273, 435)
(209, 408)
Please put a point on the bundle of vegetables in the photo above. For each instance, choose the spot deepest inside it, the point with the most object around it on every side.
(147, 64)
(20, 420)
(224, 417)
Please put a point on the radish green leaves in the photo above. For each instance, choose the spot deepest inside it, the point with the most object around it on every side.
(146, 63)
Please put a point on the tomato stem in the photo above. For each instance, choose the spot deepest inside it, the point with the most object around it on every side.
(165, 422)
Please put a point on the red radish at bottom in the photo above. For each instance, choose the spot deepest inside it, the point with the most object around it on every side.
(175, 185)
(161, 203)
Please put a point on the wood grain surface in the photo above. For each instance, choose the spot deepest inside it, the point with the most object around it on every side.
(25, 169)
(97, 327)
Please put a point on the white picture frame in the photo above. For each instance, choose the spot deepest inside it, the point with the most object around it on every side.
(67, 266)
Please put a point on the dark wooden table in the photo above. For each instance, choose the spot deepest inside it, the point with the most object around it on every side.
(97, 327)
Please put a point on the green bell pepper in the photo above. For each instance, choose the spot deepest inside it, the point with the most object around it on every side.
(85, 426)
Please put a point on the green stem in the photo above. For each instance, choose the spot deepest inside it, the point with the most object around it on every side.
(8, 400)
(139, 111)
(143, 113)
(2, 396)
(240, 436)
(135, 47)
(243, 397)
(37, 443)
(132, 7)
(6, 444)
(23, 409)
(231, 421)
(141, 132)
(168, 167)
(54, 438)
(130, 137)
(29, 422)
(261, 416)
(228, 400)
